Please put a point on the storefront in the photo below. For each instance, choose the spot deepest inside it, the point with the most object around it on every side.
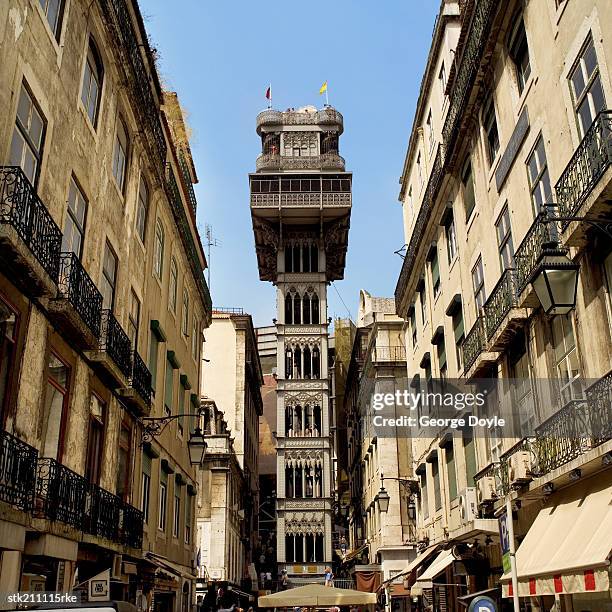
(566, 552)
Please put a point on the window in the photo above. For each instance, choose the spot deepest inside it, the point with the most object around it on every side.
(124, 461)
(92, 83)
(74, 226)
(504, 239)
(519, 53)
(566, 358)
(142, 209)
(489, 122)
(587, 92)
(469, 196)
(478, 285)
(176, 521)
(442, 362)
(173, 285)
(163, 501)
(95, 439)
(134, 320)
(153, 352)
(185, 315)
(120, 154)
(435, 271)
(188, 520)
(195, 338)
(56, 403)
(469, 450)
(413, 324)
(423, 301)
(523, 405)
(424, 496)
(169, 387)
(451, 472)
(8, 337)
(435, 472)
(109, 277)
(53, 10)
(539, 180)
(158, 250)
(459, 334)
(430, 132)
(442, 81)
(450, 234)
(145, 497)
(28, 137)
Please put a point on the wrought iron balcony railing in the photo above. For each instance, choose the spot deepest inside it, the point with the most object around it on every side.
(120, 17)
(326, 116)
(299, 199)
(141, 379)
(17, 471)
(500, 302)
(60, 493)
(21, 208)
(115, 342)
(76, 286)
(102, 513)
(599, 399)
(474, 344)
(389, 353)
(186, 178)
(132, 526)
(530, 249)
(420, 227)
(469, 63)
(586, 167)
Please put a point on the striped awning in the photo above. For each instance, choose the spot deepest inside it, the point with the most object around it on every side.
(567, 549)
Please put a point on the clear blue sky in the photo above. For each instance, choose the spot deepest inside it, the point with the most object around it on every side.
(220, 56)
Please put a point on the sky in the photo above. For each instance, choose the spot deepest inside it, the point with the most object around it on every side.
(220, 56)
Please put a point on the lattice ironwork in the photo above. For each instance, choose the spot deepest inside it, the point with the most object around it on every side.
(76, 286)
(474, 344)
(586, 167)
(21, 208)
(17, 471)
(132, 526)
(116, 343)
(141, 379)
(187, 184)
(599, 398)
(500, 302)
(102, 514)
(61, 494)
(268, 161)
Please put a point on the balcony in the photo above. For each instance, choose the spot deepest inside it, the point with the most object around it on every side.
(585, 187)
(17, 471)
(272, 118)
(186, 180)
(502, 317)
(114, 353)
(476, 359)
(65, 496)
(138, 391)
(301, 200)
(78, 307)
(30, 241)
(526, 258)
(326, 161)
(388, 354)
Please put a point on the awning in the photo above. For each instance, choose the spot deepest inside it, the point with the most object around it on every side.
(355, 553)
(314, 595)
(567, 548)
(168, 566)
(439, 564)
(419, 559)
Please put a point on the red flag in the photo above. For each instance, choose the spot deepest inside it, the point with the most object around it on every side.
(269, 93)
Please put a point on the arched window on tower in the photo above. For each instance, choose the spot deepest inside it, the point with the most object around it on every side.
(307, 363)
(289, 421)
(314, 258)
(306, 258)
(289, 486)
(297, 423)
(297, 309)
(297, 363)
(289, 297)
(288, 259)
(314, 305)
(299, 482)
(316, 363)
(317, 420)
(288, 363)
(306, 308)
(309, 481)
(296, 258)
(318, 481)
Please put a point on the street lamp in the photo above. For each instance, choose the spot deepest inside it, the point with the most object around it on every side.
(383, 497)
(197, 447)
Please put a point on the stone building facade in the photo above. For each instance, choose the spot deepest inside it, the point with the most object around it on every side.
(232, 377)
(513, 114)
(300, 208)
(102, 307)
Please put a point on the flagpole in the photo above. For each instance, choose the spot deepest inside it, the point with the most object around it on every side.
(326, 97)
(270, 100)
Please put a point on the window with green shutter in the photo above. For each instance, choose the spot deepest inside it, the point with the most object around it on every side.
(169, 388)
(450, 471)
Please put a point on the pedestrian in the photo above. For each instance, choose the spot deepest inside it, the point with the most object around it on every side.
(329, 577)
(268, 580)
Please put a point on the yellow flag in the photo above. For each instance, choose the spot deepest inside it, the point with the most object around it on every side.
(323, 88)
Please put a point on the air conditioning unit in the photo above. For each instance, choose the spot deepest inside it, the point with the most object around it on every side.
(519, 468)
(468, 508)
(487, 491)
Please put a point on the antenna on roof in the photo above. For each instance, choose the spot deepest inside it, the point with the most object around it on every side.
(211, 241)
